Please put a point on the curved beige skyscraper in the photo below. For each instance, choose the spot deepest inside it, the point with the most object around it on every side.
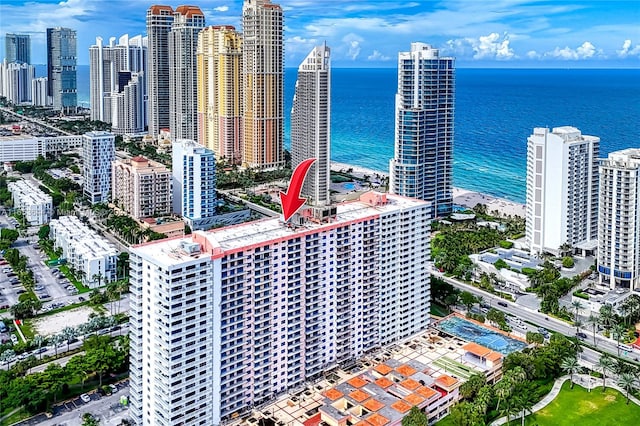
(263, 68)
(311, 124)
(219, 60)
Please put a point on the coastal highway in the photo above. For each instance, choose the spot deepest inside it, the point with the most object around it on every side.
(542, 320)
(35, 121)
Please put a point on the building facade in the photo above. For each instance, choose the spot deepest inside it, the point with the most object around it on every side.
(194, 183)
(39, 95)
(17, 48)
(35, 205)
(311, 124)
(219, 61)
(183, 91)
(61, 68)
(159, 20)
(619, 220)
(25, 147)
(98, 152)
(141, 187)
(16, 81)
(263, 81)
(117, 71)
(92, 256)
(562, 190)
(226, 319)
(423, 156)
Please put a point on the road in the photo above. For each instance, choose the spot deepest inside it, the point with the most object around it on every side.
(35, 121)
(542, 320)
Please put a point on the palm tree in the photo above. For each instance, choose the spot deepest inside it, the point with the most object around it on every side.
(618, 332)
(606, 364)
(502, 390)
(594, 321)
(578, 306)
(571, 366)
(57, 339)
(68, 333)
(606, 316)
(627, 381)
(38, 341)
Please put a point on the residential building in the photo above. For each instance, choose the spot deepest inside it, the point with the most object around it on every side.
(39, 95)
(219, 69)
(194, 183)
(17, 48)
(159, 20)
(114, 69)
(263, 81)
(247, 312)
(562, 190)
(619, 220)
(15, 81)
(92, 257)
(423, 155)
(183, 92)
(311, 124)
(141, 187)
(98, 151)
(61, 68)
(25, 147)
(35, 205)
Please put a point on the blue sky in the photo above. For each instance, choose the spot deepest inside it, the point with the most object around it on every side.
(369, 33)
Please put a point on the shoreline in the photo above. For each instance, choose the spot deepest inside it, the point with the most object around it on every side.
(461, 196)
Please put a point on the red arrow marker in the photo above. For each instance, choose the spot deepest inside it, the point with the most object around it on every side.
(291, 201)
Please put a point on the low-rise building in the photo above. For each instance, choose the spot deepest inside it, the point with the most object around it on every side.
(25, 147)
(141, 187)
(35, 205)
(91, 256)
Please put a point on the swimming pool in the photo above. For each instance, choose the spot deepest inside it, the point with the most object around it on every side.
(488, 338)
(349, 185)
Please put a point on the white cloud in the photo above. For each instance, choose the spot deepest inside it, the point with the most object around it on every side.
(532, 54)
(352, 42)
(585, 51)
(377, 56)
(221, 8)
(628, 49)
(492, 46)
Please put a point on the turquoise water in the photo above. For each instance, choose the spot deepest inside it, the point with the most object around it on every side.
(483, 336)
(349, 186)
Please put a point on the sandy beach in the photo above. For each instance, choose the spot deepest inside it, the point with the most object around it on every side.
(463, 197)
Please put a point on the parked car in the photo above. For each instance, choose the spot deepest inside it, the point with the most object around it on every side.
(114, 388)
(85, 398)
(81, 299)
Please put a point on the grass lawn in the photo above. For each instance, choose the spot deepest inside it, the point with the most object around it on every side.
(67, 273)
(27, 329)
(438, 310)
(577, 406)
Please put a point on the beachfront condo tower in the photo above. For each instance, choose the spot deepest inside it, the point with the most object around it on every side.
(311, 124)
(118, 93)
(225, 320)
(17, 48)
(219, 61)
(619, 220)
(61, 69)
(423, 155)
(159, 20)
(263, 81)
(562, 191)
(183, 92)
(98, 152)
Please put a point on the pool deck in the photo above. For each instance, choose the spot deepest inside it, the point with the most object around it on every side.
(479, 324)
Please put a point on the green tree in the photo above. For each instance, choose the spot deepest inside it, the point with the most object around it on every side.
(618, 331)
(627, 381)
(571, 366)
(55, 377)
(468, 300)
(606, 365)
(470, 388)
(535, 338)
(415, 417)
(593, 320)
(89, 420)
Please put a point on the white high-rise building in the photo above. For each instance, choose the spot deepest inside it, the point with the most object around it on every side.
(194, 183)
(311, 124)
(227, 319)
(16, 81)
(562, 190)
(98, 151)
(112, 69)
(128, 106)
(263, 84)
(159, 20)
(423, 157)
(39, 95)
(183, 82)
(619, 220)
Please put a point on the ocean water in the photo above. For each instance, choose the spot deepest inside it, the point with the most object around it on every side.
(496, 110)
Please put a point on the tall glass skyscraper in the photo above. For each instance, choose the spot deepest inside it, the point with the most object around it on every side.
(18, 48)
(423, 159)
(61, 68)
(311, 124)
